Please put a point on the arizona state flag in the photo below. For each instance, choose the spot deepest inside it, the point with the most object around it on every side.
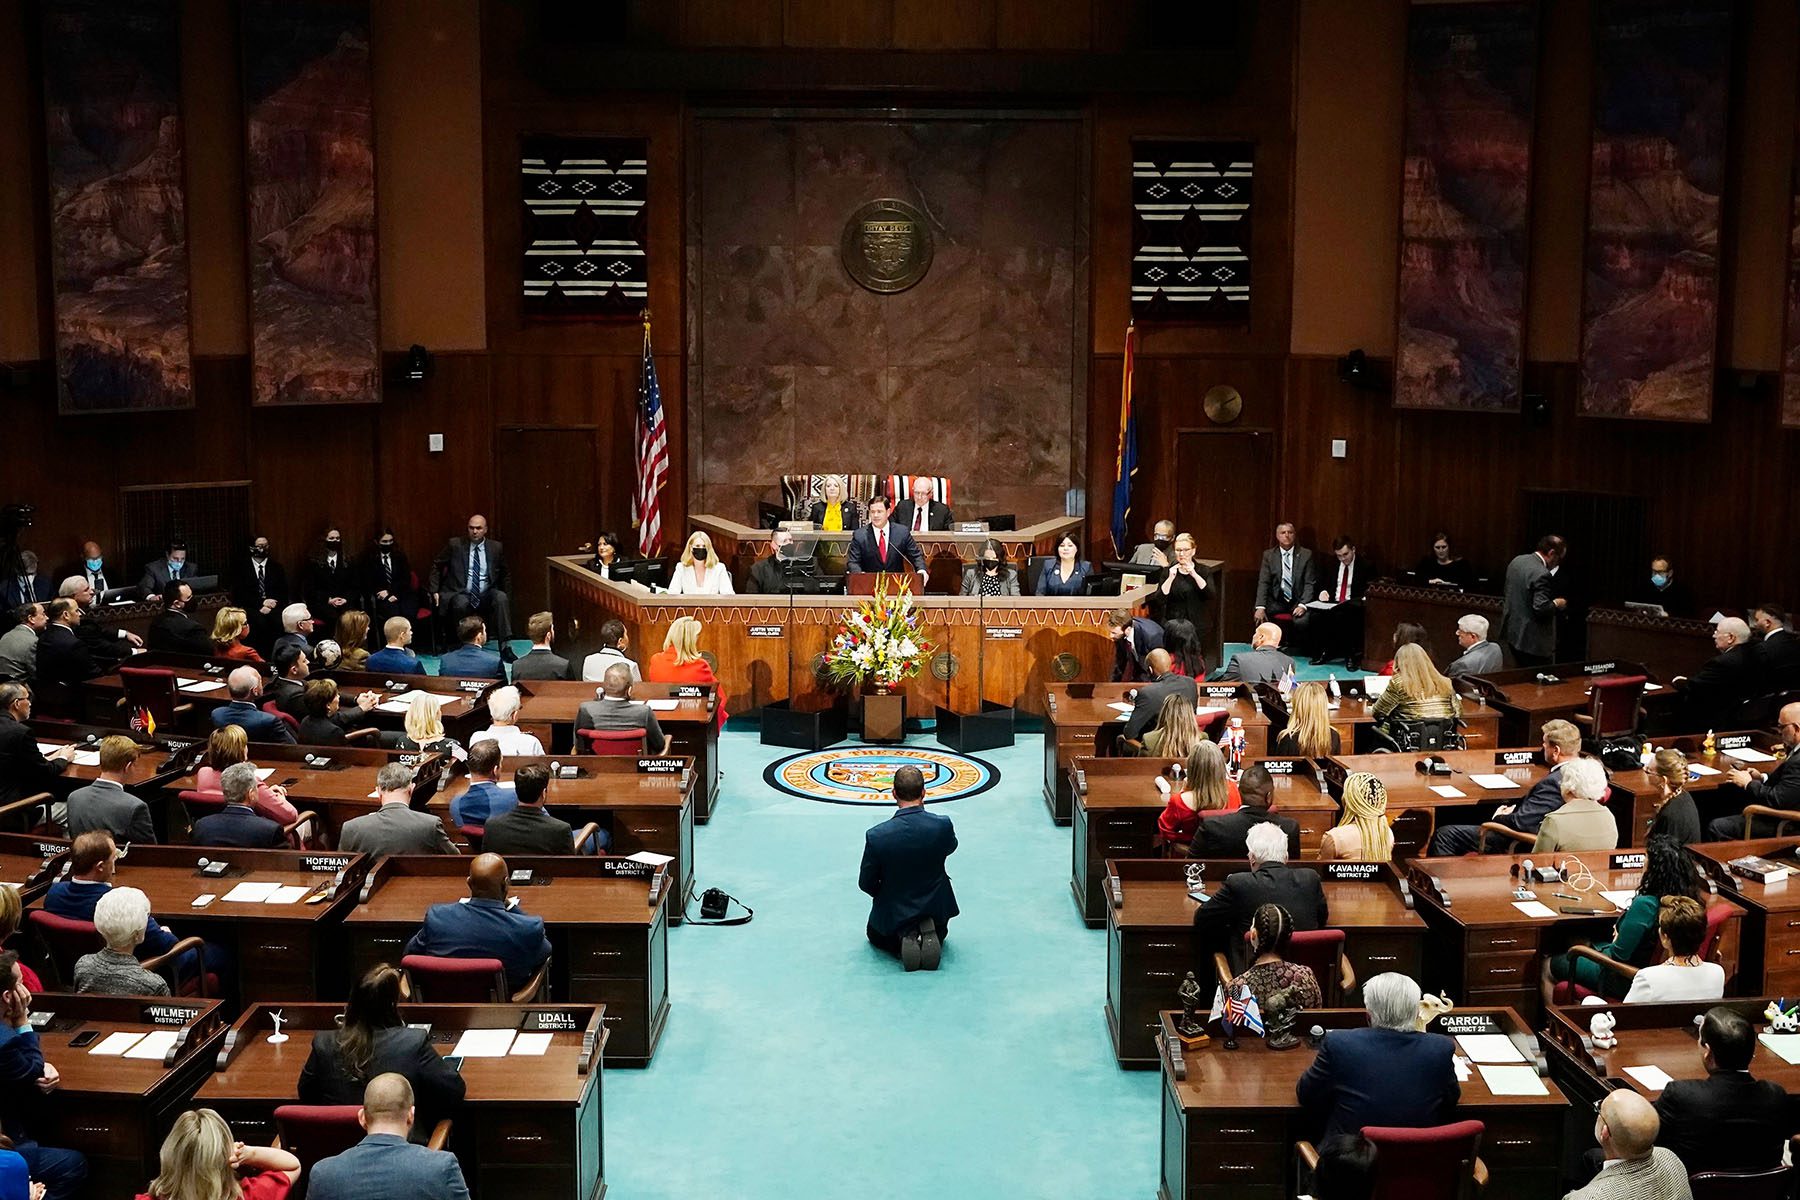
(1126, 464)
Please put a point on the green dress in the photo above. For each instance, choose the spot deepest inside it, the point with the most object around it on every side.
(1634, 943)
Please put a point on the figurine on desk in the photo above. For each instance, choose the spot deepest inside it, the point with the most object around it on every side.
(1600, 1028)
(1189, 1027)
(1280, 1015)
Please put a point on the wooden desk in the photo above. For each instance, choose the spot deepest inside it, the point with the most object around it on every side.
(1389, 602)
(113, 1109)
(521, 1133)
(1485, 951)
(136, 616)
(607, 920)
(1669, 646)
(1117, 803)
(1353, 718)
(1526, 705)
(1650, 1035)
(336, 784)
(144, 780)
(1414, 808)
(1770, 959)
(549, 709)
(280, 951)
(31, 864)
(1150, 942)
(1646, 794)
(1230, 1119)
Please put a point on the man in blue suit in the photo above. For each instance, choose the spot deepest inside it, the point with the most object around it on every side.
(1133, 639)
(485, 926)
(903, 869)
(25, 1079)
(882, 545)
(93, 863)
(472, 659)
(28, 584)
(246, 687)
(384, 1165)
(1562, 742)
(1386, 1074)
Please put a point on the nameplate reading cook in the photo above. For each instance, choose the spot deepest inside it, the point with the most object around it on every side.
(768, 631)
(1454, 1023)
(1627, 862)
(325, 864)
(1515, 758)
(1735, 742)
(549, 1022)
(659, 766)
(1004, 633)
(1278, 766)
(168, 1014)
(1352, 872)
(690, 691)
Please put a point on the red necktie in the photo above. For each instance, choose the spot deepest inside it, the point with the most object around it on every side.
(882, 538)
(919, 518)
(1343, 583)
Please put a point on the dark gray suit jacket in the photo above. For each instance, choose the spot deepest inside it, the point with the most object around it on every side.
(1268, 577)
(1528, 608)
(1148, 705)
(1257, 666)
(1478, 659)
(450, 573)
(395, 829)
(385, 1166)
(541, 664)
(622, 714)
(103, 804)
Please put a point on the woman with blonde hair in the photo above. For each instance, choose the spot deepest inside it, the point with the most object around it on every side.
(1417, 692)
(1182, 595)
(353, 638)
(835, 510)
(1309, 733)
(1176, 732)
(1204, 786)
(202, 1161)
(700, 573)
(1363, 835)
(12, 914)
(679, 660)
(229, 630)
(227, 746)
(425, 729)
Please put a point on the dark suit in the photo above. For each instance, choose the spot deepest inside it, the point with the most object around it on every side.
(541, 664)
(850, 510)
(437, 1088)
(471, 662)
(1528, 610)
(1780, 788)
(156, 575)
(1544, 798)
(1717, 691)
(484, 929)
(258, 725)
(103, 641)
(769, 576)
(1222, 921)
(176, 631)
(527, 830)
(241, 827)
(1384, 1077)
(1223, 836)
(1676, 599)
(20, 591)
(395, 579)
(620, 714)
(1143, 636)
(391, 661)
(937, 515)
(1268, 581)
(1778, 662)
(385, 1166)
(248, 591)
(321, 731)
(1267, 665)
(63, 657)
(62, 1172)
(1338, 632)
(1728, 1121)
(450, 580)
(24, 771)
(903, 553)
(1148, 705)
(323, 580)
(903, 870)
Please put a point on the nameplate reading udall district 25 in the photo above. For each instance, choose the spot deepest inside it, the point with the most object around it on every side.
(887, 246)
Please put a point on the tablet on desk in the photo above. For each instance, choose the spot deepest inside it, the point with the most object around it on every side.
(1644, 606)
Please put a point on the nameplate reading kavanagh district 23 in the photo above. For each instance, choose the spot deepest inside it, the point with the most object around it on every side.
(887, 246)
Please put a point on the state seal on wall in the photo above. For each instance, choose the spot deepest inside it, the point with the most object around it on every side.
(887, 246)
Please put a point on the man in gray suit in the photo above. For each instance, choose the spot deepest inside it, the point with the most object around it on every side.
(18, 645)
(384, 1165)
(395, 828)
(1479, 656)
(1529, 604)
(1263, 662)
(105, 804)
(615, 709)
(540, 662)
(1286, 577)
(1160, 550)
(1146, 706)
(173, 565)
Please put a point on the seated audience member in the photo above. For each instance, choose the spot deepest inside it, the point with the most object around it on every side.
(679, 660)
(297, 626)
(699, 572)
(1682, 974)
(293, 667)
(1660, 587)
(614, 642)
(320, 702)
(1182, 594)
(229, 745)
(484, 798)
(238, 824)
(1387, 1074)
(771, 576)
(27, 583)
(911, 900)
(1156, 551)
(62, 655)
(353, 636)
(470, 578)
(259, 726)
(1582, 823)
(834, 509)
(1778, 653)
(160, 572)
(1730, 1120)
(374, 1040)
(528, 828)
(1779, 788)
(1308, 733)
(1263, 662)
(1221, 922)
(882, 544)
(1133, 639)
(93, 861)
(1271, 929)
(541, 662)
(120, 918)
(387, 580)
(1204, 787)
(24, 769)
(1365, 833)
(1066, 574)
(1146, 701)
(485, 926)
(503, 711)
(202, 1161)
(385, 1165)
(395, 658)
(1176, 731)
(609, 552)
(1562, 744)
(1676, 815)
(1715, 694)
(1227, 836)
(1182, 641)
(12, 915)
(1336, 632)
(989, 575)
(106, 643)
(921, 513)
(18, 645)
(1416, 693)
(173, 630)
(1441, 568)
(105, 804)
(25, 1078)
(615, 709)
(1407, 633)
(472, 659)
(395, 827)
(1635, 1167)
(425, 729)
(1479, 656)
(230, 636)
(1668, 871)
(1347, 1168)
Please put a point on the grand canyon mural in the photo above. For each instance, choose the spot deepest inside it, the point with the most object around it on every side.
(1650, 302)
(1465, 200)
(310, 171)
(118, 212)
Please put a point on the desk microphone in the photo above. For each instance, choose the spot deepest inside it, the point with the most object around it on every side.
(1314, 1036)
(389, 685)
(1546, 677)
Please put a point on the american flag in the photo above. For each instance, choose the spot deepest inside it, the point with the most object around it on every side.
(1243, 1012)
(652, 457)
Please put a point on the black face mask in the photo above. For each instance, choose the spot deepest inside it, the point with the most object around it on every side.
(990, 564)
(333, 547)
(387, 547)
(1163, 543)
(699, 553)
(259, 555)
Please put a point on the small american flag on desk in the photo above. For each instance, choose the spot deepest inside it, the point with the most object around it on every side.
(652, 457)
(1240, 1011)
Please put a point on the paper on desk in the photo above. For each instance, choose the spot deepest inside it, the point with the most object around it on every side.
(535, 1044)
(483, 1043)
(392, 706)
(1746, 754)
(1703, 770)
(1531, 908)
(1494, 783)
(202, 685)
(1654, 1078)
(1321, 605)
(1446, 791)
(1374, 685)
(115, 1044)
(1653, 687)
(287, 893)
(251, 893)
(1489, 1048)
(1120, 706)
(154, 1045)
(650, 858)
(1512, 1081)
(48, 748)
(86, 758)
(1621, 898)
(1463, 1071)
(663, 705)
(1785, 1045)
(262, 773)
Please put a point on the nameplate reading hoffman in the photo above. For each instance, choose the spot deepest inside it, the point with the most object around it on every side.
(887, 246)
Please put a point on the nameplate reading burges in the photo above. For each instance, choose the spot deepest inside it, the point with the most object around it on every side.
(1351, 872)
(1003, 633)
(659, 766)
(326, 864)
(767, 631)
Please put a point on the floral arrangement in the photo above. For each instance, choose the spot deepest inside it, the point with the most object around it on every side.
(880, 643)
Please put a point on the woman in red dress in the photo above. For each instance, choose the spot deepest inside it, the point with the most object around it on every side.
(1204, 786)
(679, 660)
(230, 628)
(201, 1161)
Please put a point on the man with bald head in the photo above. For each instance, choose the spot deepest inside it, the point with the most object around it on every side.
(1146, 701)
(489, 925)
(245, 712)
(1779, 788)
(615, 709)
(1635, 1167)
(385, 1165)
(921, 513)
(1263, 662)
(470, 576)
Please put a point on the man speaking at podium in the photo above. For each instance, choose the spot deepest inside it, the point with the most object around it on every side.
(882, 545)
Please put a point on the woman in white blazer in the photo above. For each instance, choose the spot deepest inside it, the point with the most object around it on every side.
(700, 573)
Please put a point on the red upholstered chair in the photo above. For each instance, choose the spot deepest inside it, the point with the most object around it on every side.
(1615, 704)
(1776, 1183)
(153, 689)
(1439, 1163)
(1322, 952)
(474, 833)
(467, 981)
(1718, 912)
(67, 939)
(315, 1131)
(274, 709)
(626, 743)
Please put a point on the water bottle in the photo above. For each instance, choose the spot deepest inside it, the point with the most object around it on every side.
(1334, 692)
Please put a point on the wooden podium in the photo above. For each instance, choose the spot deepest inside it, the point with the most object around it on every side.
(884, 717)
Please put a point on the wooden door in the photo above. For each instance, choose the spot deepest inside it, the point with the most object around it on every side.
(546, 505)
(1223, 487)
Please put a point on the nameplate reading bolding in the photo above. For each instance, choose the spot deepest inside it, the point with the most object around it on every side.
(1599, 668)
(168, 1014)
(768, 631)
(325, 864)
(1514, 758)
(1278, 766)
(1454, 1023)
(550, 1022)
(1352, 872)
(1003, 633)
(659, 766)
(1217, 692)
(1627, 862)
(1735, 742)
(690, 691)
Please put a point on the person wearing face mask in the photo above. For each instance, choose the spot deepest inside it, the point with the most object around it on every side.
(92, 567)
(173, 629)
(1159, 550)
(385, 580)
(770, 576)
(700, 573)
(259, 586)
(1660, 587)
(989, 575)
(174, 564)
(330, 581)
